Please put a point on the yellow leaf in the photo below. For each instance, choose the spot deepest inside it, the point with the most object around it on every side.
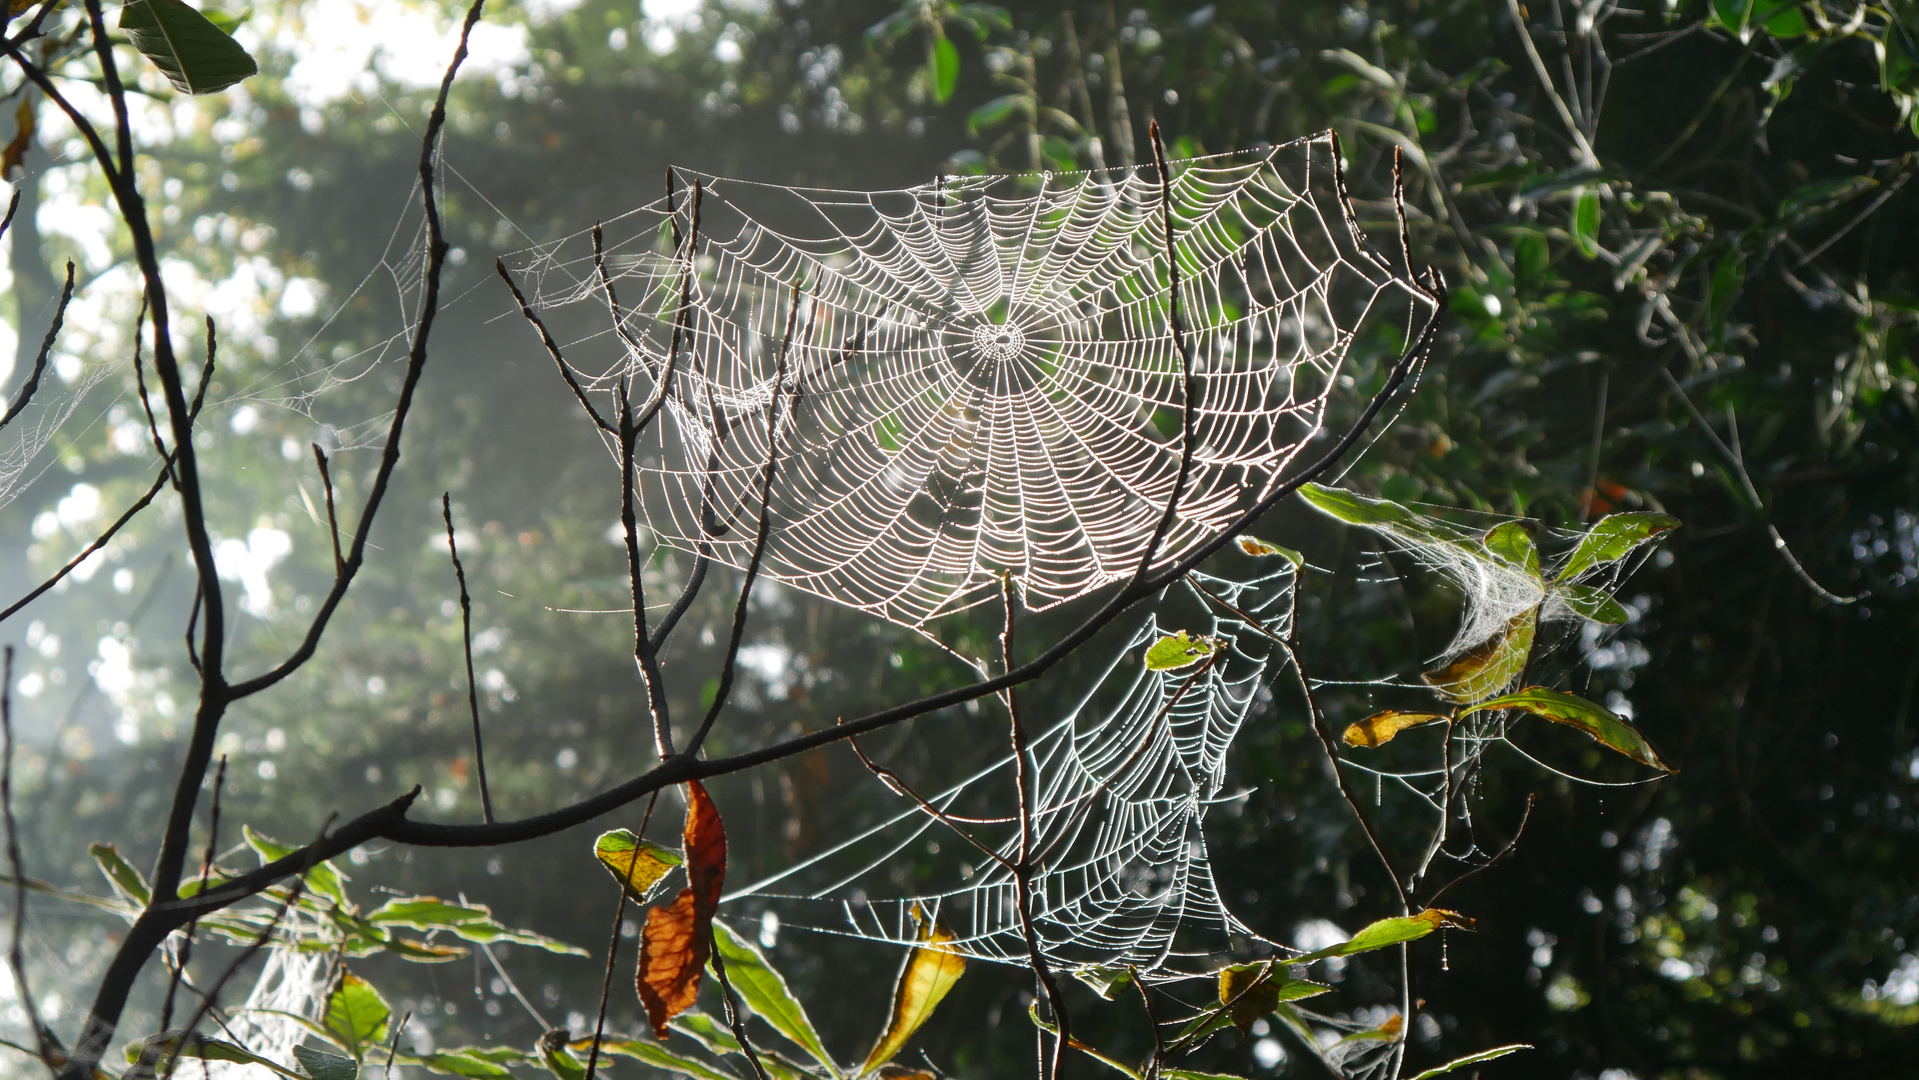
(1486, 670)
(636, 864)
(929, 972)
(1379, 729)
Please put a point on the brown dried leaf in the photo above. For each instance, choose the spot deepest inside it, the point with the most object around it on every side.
(678, 937)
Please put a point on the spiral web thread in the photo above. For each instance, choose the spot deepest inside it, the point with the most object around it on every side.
(1123, 784)
(980, 376)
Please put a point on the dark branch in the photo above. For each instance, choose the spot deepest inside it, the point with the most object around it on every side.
(24, 396)
(466, 640)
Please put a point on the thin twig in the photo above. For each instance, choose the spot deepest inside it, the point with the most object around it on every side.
(899, 787)
(99, 542)
(1587, 159)
(185, 954)
(734, 1017)
(1502, 853)
(466, 641)
(728, 669)
(1188, 412)
(393, 1048)
(1023, 769)
(552, 347)
(613, 943)
(332, 516)
(24, 395)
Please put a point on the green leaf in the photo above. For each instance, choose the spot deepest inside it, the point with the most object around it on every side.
(462, 1062)
(997, 111)
(156, 1049)
(1586, 223)
(1472, 1059)
(1253, 545)
(945, 68)
(321, 1065)
(1106, 982)
(1379, 728)
(428, 913)
(765, 992)
(652, 1053)
(1593, 604)
(558, 1059)
(1595, 720)
(1612, 539)
(1380, 515)
(1387, 932)
(126, 881)
(195, 55)
(638, 865)
(356, 1014)
(1489, 667)
(1512, 543)
(1176, 651)
(1726, 282)
(322, 878)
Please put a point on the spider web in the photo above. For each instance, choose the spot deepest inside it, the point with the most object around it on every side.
(1122, 786)
(977, 376)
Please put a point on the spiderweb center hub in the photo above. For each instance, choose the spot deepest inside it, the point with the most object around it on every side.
(998, 342)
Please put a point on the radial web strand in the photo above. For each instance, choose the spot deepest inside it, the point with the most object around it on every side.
(982, 377)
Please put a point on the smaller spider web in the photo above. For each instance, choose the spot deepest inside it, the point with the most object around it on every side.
(979, 374)
(1123, 783)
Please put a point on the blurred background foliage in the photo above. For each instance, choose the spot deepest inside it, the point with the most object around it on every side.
(1679, 237)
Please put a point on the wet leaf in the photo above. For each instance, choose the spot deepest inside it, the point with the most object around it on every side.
(1387, 932)
(126, 881)
(356, 1014)
(1487, 669)
(763, 990)
(928, 974)
(1593, 604)
(1176, 651)
(1472, 1059)
(1596, 720)
(321, 1065)
(652, 1054)
(636, 864)
(1512, 543)
(195, 55)
(429, 913)
(677, 938)
(1379, 728)
(1253, 545)
(944, 69)
(1612, 539)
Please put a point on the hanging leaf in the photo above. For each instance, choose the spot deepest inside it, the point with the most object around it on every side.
(929, 972)
(1593, 604)
(23, 127)
(651, 1054)
(154, 1050)
(636, 864)
(677, 938)
(764, 991)
(1106, 982)
(196, 56)
(997, 111)
(356, 1014)
(429, 913)
(1487, 669)
(1387, 932)
(1379, 728)
(1595, 720)
(1250, 991)
(126, 881)
(1512, 543)
(1472, 1059)
(1176, 651)
(321, 878)
(321, 1065)
(1253, 545)
(1612, 539)
(944, 67)
(1586, 223)
(1380, 515)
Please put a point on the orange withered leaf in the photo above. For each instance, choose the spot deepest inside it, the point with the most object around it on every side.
(678, 937)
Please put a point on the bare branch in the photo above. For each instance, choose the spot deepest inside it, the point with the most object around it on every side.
(332, 516)
(24, 396)
(552, 347)
(43, 1039)
(466, 640)
(1188, 426)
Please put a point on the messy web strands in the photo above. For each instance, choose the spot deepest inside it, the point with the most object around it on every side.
(1122, 788)
(983, 378)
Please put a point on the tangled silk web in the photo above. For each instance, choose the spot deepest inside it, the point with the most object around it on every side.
(975, 376)
(1122, 786)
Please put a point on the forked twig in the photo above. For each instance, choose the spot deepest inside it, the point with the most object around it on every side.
(185, 954)
(466, 641)
(1502, 853)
